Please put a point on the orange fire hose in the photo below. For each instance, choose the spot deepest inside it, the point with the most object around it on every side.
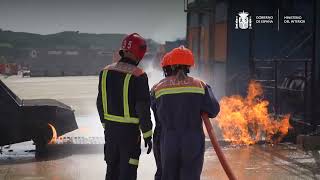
(217, 148)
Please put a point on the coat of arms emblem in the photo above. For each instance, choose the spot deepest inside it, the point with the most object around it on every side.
(243, 21)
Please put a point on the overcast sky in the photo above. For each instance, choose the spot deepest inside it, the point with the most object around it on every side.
(157, 19)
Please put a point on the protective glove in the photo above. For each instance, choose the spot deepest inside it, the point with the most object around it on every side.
(104, 125)
(148, 142)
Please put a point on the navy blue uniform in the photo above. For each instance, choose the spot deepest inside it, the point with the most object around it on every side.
(123, 104)
(178, 106)
(156, 143)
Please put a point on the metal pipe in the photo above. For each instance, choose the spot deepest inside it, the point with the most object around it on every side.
(188, 30)
(283, 60)
(276, 105)
(200, 67)
(252, 69)
(305, 89)
(212, 45)
(315, 64)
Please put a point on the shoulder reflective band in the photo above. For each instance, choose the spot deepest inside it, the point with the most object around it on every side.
(123, 119)
(134, 161)
(178, 90)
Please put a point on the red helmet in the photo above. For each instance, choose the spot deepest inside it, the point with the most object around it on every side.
(135, 44)
(178, 56)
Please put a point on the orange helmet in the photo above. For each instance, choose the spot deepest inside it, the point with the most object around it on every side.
(165, 60)
(179, 56)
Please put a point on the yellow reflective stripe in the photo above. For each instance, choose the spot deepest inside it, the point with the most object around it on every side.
(125, 96)
(178, 90)
(134, 161)
(147, 134)
(104, 91)
(121, 119)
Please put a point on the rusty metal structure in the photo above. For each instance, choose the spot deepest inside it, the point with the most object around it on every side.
(24, 120)
(205, 30)
(284, 58)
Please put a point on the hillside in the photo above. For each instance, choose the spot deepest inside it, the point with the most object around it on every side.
(67, 39)
(74, 53)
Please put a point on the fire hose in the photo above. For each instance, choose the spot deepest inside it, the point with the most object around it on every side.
(217, 148)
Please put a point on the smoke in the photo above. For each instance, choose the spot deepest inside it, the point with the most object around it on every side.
(153, 71)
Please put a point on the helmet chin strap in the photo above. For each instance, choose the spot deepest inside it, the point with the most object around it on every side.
(137, 62)
(124, 54)
(121, 53)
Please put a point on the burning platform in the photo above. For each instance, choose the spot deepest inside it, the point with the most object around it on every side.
(246, 120)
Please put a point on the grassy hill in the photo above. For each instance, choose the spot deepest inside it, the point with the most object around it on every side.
(72, 39)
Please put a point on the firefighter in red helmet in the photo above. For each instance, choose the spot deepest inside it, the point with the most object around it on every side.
(177, 102)
(123, 104)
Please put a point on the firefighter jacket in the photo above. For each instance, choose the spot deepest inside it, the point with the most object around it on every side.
(123, 97)
(178, 104)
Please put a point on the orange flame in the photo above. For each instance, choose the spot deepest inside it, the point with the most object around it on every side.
(247, 120)
(54, 134)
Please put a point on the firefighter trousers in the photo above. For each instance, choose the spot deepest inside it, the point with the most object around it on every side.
(122, 152)
(157, 155)
(182, 155)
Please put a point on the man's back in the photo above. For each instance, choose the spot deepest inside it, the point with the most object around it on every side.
(180, 103)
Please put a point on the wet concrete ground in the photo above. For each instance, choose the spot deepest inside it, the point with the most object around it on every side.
(83, 161)
(86, 162)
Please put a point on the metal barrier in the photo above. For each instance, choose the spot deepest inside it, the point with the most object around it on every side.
(275, 81)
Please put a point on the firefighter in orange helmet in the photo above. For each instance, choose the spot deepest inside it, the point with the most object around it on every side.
(177, 102)
(157, 130)
(123, 104)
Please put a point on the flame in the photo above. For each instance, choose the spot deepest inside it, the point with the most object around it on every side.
(54, 134)
(247, 120)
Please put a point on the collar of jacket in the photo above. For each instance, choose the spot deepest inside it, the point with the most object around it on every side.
(129, 61)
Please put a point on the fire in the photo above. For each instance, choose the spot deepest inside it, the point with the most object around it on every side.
(247, 120)
(54, 134)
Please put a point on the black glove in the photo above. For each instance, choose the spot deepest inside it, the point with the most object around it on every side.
(148, 142)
